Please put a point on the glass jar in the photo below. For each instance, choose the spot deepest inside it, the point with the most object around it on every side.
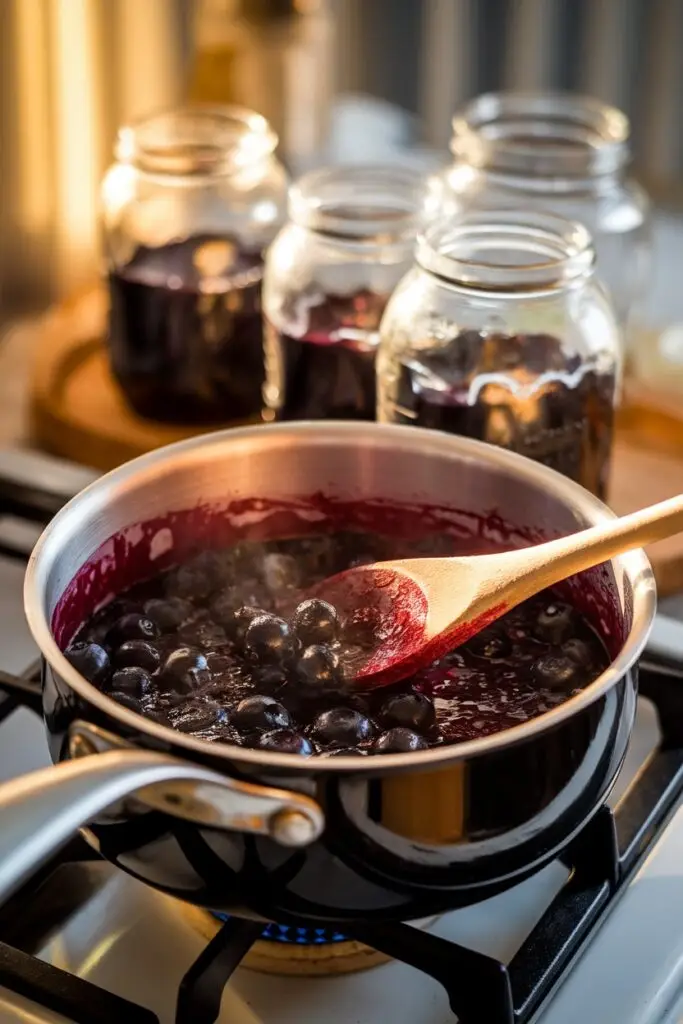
(194, 197)
(559, 153)
(328, 276)
(501, 332)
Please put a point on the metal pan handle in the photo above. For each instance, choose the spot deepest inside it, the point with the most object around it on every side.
(39, 812)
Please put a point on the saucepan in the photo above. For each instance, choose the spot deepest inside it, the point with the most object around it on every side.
(279, 836)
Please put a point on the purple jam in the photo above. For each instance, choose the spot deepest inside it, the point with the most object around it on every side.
(520, 392)
(227, 647)
(322, 359)
(185, 331)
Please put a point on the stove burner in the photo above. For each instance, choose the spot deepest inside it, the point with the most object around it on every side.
(602, 859)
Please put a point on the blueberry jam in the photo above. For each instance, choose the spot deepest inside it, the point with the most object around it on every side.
(517, 391)
(227, 647)
(324, 366)
(185, 332)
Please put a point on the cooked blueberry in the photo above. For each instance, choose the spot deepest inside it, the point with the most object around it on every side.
(409, 711)
(556, 671)
(91, 660)
(168, 613)
(203, 633)
(132, 679)
(578, 651)
(268, 678)
(138, 653)
(132, 627)
(490, 644)
(224, 606)
(185, 669)
(236, 627)
(318, 671)
(268, 639)
(341, 727)
(285, 741)
(127, 700)
(260, 714)
(399, 741)
(198, 717)
(554, 622)
(316, 622)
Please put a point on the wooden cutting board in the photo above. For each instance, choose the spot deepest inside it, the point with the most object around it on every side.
(77, 412)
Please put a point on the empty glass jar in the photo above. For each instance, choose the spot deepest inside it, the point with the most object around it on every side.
(501, 332)
(328, 277)
(192, 201)
(558, 153)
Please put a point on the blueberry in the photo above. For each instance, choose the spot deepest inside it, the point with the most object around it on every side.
(409, 711)
(132, 627)
(269, 678)
(285, 741)
(554, 622)
(198, 717)
(260, 714)
(268, 639)
(185, 669)
(316, 622)
(197, 579)
(127, 700)
(579, 651)
(138, 653)
(168, 613)
(223, 608)
(490, 644)
(556, 671)
(236, 627)
(91, 660)
(203, 633)
(318, 671)
(133, 680)
(399, 741)
(341, 727)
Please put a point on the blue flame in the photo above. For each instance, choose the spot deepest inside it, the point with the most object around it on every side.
(293, 934)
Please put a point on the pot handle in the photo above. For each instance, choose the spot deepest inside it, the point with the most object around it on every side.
(40, 811)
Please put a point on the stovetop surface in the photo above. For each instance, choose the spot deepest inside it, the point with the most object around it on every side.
(138, 943)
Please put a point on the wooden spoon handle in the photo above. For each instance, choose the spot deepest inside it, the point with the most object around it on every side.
(557, 559)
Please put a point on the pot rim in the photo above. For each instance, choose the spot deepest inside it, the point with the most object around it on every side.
(634, 563)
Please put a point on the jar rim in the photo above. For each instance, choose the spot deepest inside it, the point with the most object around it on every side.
(196, 141)
(548, 134)
(507, 251)
(366, 203)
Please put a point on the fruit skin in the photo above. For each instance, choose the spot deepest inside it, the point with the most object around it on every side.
(318, 673)
(315, 622)
(341, 727)
(91, 660)
(132, 680)
(168, 613)
(137, 653)
(554, 622)
(285, 741)
(236, 627)
(399, 741)
(556, 671)
(409, 711)
(260, 713)
(268, 639)
(185, 669)
(132, 626)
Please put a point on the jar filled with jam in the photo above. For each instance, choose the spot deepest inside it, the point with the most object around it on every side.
(328, 277)
(558, 153)
(194, 198)
(501, 332)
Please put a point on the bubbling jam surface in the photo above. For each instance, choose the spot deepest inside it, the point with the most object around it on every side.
(228, 647)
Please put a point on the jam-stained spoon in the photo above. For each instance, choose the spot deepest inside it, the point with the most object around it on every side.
(414, 610)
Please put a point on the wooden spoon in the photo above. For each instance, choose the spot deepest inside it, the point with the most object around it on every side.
(414, 610)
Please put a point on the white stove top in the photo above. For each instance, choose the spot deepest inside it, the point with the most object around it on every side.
(138, 944)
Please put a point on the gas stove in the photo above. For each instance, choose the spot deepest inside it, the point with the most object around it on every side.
(596, 938)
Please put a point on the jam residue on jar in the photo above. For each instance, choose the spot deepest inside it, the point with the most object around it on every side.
(185, 330)
(227, 647)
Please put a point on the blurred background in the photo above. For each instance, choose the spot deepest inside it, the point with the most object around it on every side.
(342, 79)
